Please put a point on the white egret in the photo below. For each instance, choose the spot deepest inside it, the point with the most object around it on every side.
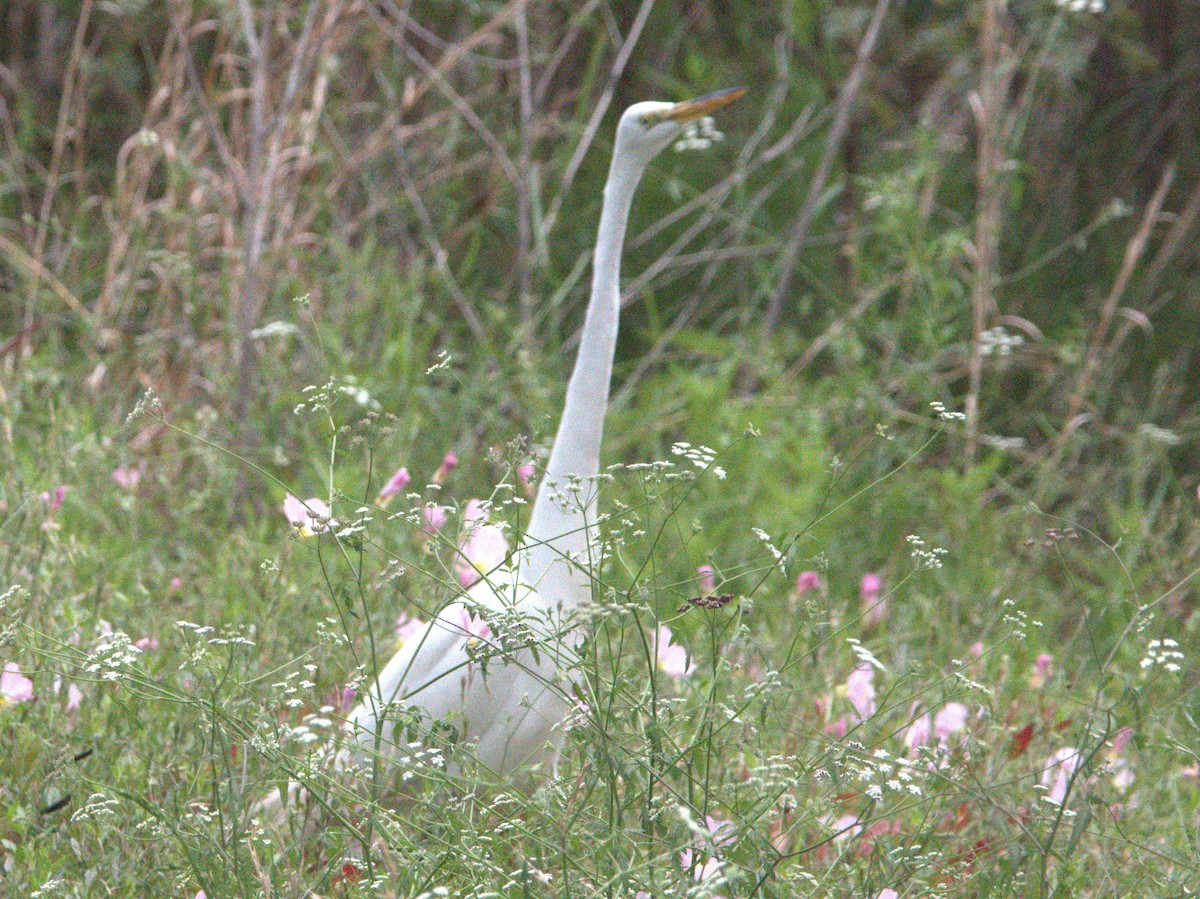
(509, 711)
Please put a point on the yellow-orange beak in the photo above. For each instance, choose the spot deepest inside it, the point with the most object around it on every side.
(690, 110)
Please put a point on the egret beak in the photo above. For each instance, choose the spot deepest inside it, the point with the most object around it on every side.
(690, 110)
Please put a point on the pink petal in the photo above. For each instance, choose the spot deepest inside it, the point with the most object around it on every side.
(309, 516)
(435, 518)
(54, 498)
(484, 549)
(473, 624)
(1121, 740)
(917, 734)
(723, 830)
(14, 686)
(846, 826)
(449, 463)
(808, 581)
(476, 512)
(407, 628)
(860, 690)
(708, 579)
(670, 659)
(128, 477)
(1057, 773)
(396, 484)
(951, 719)
(74, 697)
(870, 586)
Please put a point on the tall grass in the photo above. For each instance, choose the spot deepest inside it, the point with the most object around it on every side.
(941, 653)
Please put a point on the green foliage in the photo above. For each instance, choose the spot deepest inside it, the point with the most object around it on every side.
(387, 302)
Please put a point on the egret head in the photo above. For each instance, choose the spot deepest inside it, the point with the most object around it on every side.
(646, 129)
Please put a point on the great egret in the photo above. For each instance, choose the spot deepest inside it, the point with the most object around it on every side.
(509, 708)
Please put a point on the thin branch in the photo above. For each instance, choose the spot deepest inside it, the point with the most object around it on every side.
(524, 183)
(1133, 254)
(602, 103)
(841, 123)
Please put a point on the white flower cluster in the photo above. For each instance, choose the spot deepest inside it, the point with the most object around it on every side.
(998, 342)
(766, 539)
(148, 405)
(940, 409)
(700, 456)
(113, 653)
(925, 558)
(316, 399)
(699, 135)
(306, 732)
(1020, 621)
(1095, 7)
(1163, 652)
(97, 806)
(884, 772)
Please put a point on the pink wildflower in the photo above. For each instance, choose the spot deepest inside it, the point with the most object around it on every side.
(846, 826)
(1043, 666)
(406, 628)
(720, 833)
(708, 579)
(525, 475)
(1118, 765)
(309, 517)
(950, 720)
(1121, 740)
(14, 686)
(449, 463)
(671, 659)
(807, 582)
(888, 893)
(483, 549)
(396, 484)
(870, 586)
(917, 734)
(860, 690)
(74, 697)
(147, 644)
(1058, 772)
(176, 585)
(473, 625)
(476, 512)
(872, 602)
(837, 729)
(54, 498)
(435, 518)
(128, 478)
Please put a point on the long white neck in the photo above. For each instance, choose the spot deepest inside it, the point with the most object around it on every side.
(561, 545)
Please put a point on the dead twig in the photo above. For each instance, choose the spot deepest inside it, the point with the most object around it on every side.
(1134, 251)
(603, 102)
(833, 143)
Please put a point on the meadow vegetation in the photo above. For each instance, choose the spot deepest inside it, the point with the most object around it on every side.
(902, 506)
